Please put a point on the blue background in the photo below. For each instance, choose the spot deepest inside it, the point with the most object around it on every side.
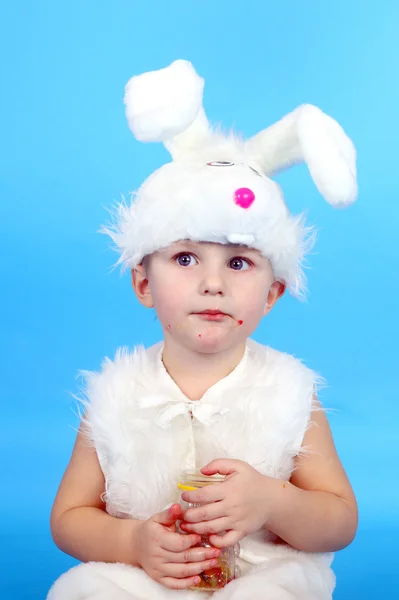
(67, 154)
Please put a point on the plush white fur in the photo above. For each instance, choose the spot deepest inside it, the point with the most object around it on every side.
(160, 105)
(286, 575)
(307, 134)
(188, 199)
(111, 581)
(138, 420)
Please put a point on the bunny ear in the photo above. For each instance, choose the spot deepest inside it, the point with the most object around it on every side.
(166, 106)
(309, 135)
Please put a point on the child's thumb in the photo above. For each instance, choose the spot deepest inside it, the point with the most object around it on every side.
(169, 516)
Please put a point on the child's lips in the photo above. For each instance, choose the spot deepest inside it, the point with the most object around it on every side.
(212, 316)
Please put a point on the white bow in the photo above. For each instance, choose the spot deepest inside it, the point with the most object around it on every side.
(205, 413)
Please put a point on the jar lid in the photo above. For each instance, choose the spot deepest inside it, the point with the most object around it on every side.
(193, 479)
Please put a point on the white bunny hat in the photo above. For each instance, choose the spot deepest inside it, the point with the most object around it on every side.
(217, 187)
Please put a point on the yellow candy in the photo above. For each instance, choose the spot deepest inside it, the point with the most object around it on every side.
(186, 488)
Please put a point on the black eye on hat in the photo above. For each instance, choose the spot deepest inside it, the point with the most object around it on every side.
(255, 171)
(220, 163)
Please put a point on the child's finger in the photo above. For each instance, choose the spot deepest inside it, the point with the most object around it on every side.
(207, 494)
(177, 542)
(169, 516)
(206, 512)
(207, 527)
(230, 538)
(223, 466)
(184, 570)
(180, 584)
(193, 555)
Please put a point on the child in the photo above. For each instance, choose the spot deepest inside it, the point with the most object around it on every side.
(212, 246)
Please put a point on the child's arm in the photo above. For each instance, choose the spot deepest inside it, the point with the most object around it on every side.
(81, 527)
(79, 524)
(317, 510)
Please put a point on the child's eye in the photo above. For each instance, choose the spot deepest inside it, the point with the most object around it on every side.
(184, 259)
(238, 262)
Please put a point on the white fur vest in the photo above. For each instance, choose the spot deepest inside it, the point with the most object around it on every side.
(146, 431)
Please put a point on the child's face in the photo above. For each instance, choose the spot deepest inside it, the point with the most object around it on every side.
(189, 277)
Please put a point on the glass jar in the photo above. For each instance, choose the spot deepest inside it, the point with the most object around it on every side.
(227, 570)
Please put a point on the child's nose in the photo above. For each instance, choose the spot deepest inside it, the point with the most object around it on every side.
(244, 197)
(212, 285)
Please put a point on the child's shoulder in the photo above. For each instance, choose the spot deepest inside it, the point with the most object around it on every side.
(281, 370)
(127, 366)
(280, 360)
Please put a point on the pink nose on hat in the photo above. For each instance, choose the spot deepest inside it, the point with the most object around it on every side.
(244, 197)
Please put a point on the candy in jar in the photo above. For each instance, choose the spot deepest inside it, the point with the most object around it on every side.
(227, 570)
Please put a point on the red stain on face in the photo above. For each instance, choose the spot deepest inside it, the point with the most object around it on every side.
(240, 322)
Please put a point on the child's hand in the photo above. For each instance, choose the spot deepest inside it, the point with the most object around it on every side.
(239, 505)
(167, 556)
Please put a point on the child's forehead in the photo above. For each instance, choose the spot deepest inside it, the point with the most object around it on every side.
(212, 246)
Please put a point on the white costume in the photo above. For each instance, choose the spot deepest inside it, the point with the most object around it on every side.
(216, 189)
(139, 422)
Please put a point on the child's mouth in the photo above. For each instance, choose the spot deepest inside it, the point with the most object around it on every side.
(211, 316)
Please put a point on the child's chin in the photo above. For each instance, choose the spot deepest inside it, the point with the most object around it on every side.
(212, 339)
